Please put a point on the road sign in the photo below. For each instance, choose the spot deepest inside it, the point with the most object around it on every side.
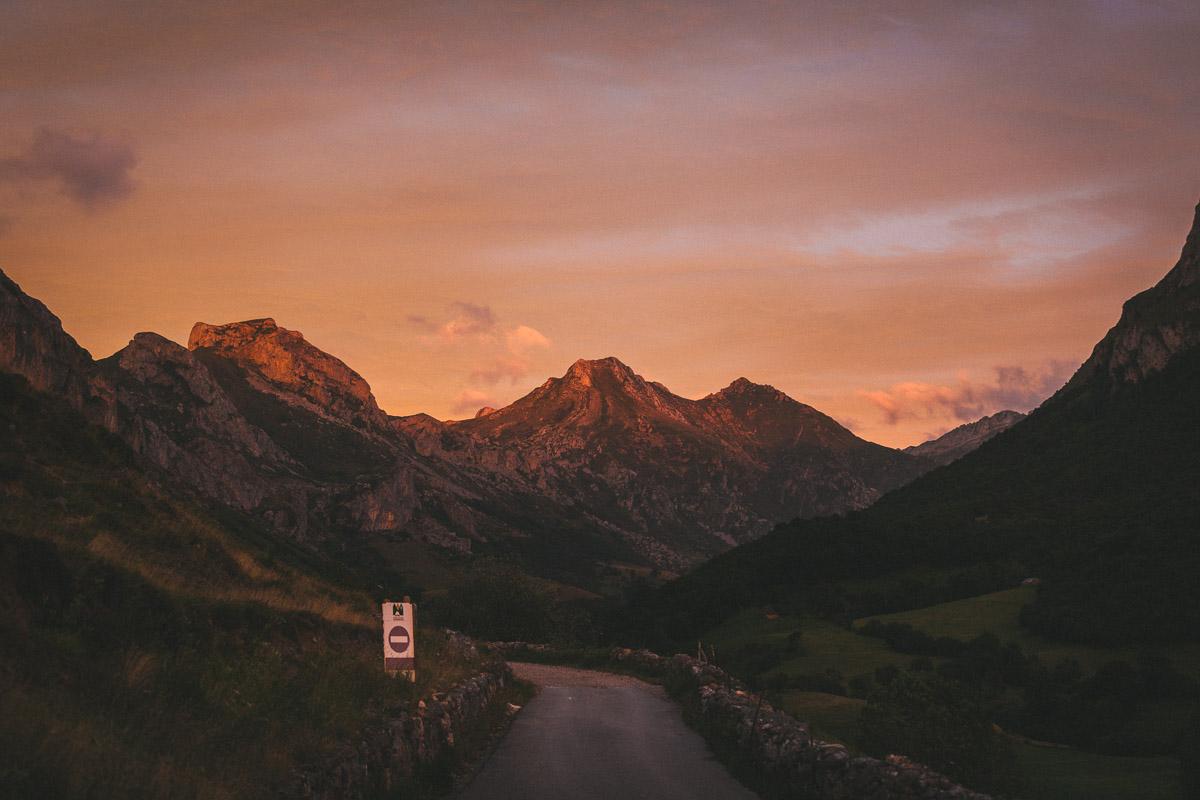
(399, 639)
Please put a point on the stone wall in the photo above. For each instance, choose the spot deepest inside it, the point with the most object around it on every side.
(408, 742)
(778, 749)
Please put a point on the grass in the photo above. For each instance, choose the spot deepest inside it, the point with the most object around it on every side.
(1055, 773)
(999, 612)
(831, 717)
(1048, 772)
(827, 646)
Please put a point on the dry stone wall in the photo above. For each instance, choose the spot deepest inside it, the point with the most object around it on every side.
(779, 749)
(409, 742)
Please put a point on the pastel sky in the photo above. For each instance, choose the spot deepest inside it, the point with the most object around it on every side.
(905, 214)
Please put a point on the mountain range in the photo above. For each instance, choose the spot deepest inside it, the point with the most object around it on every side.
(597, 466)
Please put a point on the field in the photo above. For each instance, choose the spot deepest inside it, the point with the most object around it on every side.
(1056, 773)
(998, 613)
(1049, 773)
(828, 646)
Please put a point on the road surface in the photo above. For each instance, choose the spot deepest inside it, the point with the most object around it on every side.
(598, 736)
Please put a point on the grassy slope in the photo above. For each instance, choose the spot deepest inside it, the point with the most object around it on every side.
(156, 650)
(1097, 493)
(1050, 773)
(998, 613)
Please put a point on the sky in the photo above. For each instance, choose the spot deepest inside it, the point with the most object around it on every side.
(904, 214)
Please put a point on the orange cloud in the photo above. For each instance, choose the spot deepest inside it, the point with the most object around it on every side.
(502, 354)
(1012, 387)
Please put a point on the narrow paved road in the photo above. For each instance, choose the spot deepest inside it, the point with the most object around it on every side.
(597, 736)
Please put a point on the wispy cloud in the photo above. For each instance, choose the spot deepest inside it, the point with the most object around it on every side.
(91, 168)
(1011, 387)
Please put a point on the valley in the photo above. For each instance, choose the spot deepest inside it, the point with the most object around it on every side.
(719, 399)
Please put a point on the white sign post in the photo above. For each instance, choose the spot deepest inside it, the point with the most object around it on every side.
(400, 639)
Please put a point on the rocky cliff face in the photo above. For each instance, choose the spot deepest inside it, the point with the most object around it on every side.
(33, 344)
(1155, 326)
(598, 464)
(170, 409)
(954, 444)
(280, 362)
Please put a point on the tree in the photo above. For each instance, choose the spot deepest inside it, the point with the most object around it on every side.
(1189, 756)
(937, 722)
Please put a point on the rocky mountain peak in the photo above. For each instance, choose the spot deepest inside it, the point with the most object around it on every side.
(1155, 325)
(147, 350)
(587, 372)
(485, 411)
(747, 390)
(281, 362)
(1187, 271)
(232, 335)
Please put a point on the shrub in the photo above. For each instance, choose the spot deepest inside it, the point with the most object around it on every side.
(934, 721)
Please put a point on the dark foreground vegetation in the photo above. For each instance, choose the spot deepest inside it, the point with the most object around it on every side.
(153, 648)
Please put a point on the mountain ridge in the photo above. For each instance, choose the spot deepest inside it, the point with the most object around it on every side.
(253, 416)
(957, 442)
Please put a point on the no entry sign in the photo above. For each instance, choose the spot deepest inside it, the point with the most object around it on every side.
(399, 638)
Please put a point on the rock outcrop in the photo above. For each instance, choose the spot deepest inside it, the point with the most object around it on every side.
(33, 344)
(956, 443)
(280, 362)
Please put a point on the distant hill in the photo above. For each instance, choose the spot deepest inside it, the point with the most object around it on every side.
(1096, 493)
(957, 442)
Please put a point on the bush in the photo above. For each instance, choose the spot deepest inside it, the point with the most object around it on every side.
(934, 721)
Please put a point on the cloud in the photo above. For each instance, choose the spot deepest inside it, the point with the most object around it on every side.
(1012, 387)
(523, 338)
(503, 353)
(513, 363)
(91, 168)
(471, 320)
(471, 400)
(468, 320)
